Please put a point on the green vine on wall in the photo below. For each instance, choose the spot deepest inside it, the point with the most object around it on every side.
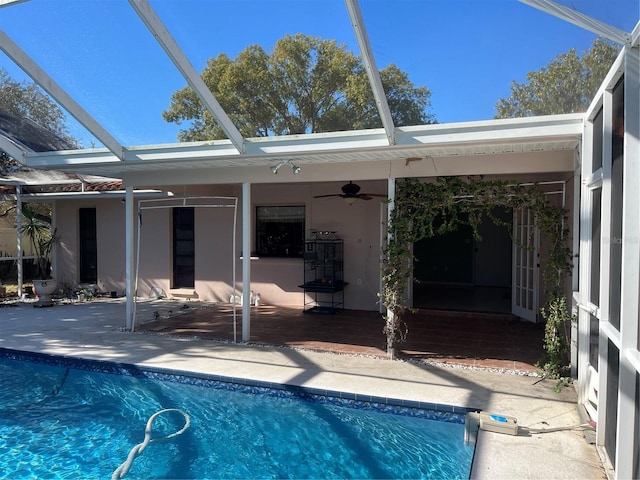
(423, 210)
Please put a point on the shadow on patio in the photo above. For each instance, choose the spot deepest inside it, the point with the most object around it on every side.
(497, 341)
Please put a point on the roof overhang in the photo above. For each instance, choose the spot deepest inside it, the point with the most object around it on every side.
(492, 137)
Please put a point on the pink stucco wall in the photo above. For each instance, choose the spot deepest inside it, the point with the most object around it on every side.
(111, 242)
(276, 279)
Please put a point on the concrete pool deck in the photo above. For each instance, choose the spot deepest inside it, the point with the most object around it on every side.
(93, 330)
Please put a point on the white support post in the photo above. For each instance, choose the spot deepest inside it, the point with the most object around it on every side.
(584, 261)
(575, 283)
(54, 253)
(604, 305)
(627, 423)
(246, 262)
(129, 256)
(391, 195)
(19, 238)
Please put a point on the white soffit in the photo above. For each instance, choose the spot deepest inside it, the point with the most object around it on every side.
(551, 133)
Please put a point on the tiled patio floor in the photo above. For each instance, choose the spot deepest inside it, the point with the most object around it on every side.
(483, 340)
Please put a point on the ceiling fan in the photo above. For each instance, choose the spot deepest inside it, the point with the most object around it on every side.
(351, 193)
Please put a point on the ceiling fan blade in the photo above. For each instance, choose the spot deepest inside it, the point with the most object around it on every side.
(352, 190)
(327, 196)
(369, 196)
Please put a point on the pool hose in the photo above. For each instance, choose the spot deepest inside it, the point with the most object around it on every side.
(122, 470)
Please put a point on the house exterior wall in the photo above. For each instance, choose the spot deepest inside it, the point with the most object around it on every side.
(154, 255)
(8, 243)
(110, 228)
(277, 280)
(358, 225)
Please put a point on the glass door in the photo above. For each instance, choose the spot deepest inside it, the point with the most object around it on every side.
(526, 242)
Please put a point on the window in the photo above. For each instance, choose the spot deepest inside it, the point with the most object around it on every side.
(88, 245)
(280, 231)
(183, 248)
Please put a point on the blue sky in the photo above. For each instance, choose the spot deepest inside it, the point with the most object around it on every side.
(466, 52)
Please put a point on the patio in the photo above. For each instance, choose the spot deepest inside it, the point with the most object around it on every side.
(485, 340)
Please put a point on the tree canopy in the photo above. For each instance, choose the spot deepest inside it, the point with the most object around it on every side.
(305, 85)
(566, 85)
(25, 100)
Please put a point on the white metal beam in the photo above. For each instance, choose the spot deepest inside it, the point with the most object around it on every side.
(180, 60)
(38, 75)
(16, 151)
(6, 3)
(486, 137)
(581, 20)
(372, 70)
(635, 36)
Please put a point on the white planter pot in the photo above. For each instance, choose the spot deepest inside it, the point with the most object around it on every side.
(44, 289)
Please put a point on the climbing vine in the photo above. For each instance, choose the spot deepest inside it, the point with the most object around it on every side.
(423, 210)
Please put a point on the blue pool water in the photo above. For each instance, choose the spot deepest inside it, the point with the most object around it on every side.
(60, 418)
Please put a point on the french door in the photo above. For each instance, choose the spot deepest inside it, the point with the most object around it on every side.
(526, 243)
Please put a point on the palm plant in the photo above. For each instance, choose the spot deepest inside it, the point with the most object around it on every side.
(43, 238)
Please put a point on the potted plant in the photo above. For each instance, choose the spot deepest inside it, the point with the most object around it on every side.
(43, 238)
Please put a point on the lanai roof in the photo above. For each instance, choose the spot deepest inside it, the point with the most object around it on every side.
(386, 144)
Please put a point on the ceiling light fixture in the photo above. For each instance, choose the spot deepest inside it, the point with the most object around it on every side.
(296, 169)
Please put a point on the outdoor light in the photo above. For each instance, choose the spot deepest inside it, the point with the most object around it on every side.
(296, 169)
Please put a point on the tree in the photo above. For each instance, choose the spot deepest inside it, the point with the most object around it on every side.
(25, 100)
(305, 85)
(566, 85)
(25, 109)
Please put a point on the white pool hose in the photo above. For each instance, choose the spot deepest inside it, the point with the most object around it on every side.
(122, 470)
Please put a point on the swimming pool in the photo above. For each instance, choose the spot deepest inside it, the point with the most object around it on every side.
(67, 418)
